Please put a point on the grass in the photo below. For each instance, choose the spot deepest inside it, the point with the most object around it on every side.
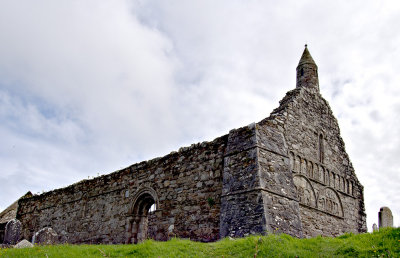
(385, 243)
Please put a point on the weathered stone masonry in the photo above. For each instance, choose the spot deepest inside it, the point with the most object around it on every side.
(289, 173)
(113, 208)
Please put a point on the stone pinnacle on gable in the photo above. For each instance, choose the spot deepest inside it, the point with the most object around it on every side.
(306, 57)
(307, 72)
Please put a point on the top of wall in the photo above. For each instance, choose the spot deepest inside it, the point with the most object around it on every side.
(11, 211)
(86, 184)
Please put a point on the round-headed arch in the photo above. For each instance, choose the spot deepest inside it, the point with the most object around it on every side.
(142, 200)
(329, 195)
(305, 190)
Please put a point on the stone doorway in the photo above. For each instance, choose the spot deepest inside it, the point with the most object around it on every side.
(145, 204)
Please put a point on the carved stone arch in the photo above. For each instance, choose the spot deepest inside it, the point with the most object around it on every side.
(297, 164)
(310, 172)
(137, 219)
(342, 184)
(330, 202)
(303, 166)
(326, 176)
(337, 181)
(305, 191)
(351, 187)
(143, 192)
(316, 171)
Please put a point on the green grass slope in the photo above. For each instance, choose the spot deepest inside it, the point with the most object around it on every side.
(385, 243)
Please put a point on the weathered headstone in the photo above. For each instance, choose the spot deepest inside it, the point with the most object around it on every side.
(385, 217)
(374, 227)
(63, 237)
(12, 232)
(45, 236)
(23, 244)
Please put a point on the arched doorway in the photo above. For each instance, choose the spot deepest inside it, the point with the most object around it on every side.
(144, 202)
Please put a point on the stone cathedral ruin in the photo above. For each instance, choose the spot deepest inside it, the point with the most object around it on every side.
(288, 173)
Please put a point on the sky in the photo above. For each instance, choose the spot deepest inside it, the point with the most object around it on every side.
(90, 87)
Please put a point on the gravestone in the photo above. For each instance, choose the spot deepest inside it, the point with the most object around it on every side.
(385, 217)
(12, 232)
(374, 227)
(45, 236)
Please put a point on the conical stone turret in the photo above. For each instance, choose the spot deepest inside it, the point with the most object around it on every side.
(307, 72)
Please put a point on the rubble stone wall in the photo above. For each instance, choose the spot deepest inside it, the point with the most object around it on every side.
(186, 186)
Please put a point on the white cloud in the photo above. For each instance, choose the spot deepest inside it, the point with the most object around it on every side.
(86, 88)
(93, 86)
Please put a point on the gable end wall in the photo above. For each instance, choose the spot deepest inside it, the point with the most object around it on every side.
(329, 193)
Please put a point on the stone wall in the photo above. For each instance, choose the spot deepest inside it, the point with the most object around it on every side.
(278, 189)
(258, 193)
(242, 210)
(185, 186)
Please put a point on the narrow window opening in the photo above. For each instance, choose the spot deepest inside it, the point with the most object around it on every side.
(302, 72)
(321, 148)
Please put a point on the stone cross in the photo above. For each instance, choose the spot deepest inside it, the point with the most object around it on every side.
(385, 217)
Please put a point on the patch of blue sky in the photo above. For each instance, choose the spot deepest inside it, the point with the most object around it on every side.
(31, 116)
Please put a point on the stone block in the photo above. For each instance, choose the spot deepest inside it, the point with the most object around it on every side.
(24, 244)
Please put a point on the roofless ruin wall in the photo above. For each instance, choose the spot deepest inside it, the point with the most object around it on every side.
(185, 185)
(289, 173)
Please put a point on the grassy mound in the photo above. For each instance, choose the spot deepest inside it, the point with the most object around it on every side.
(385, 243)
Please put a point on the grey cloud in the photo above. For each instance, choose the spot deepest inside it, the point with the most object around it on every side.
(375, 115)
